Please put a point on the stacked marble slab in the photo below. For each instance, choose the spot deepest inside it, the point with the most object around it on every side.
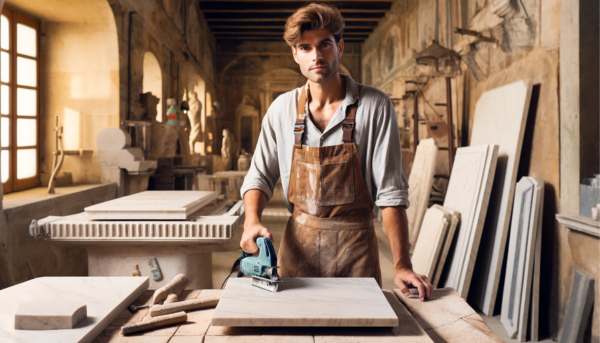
(152, 216)
(435, 238)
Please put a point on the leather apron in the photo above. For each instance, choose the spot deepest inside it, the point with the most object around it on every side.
(330, 233)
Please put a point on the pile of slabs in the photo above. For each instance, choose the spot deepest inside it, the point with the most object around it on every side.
(580, 307)
(419, 183)
(500, 118)
(331, 302)
(429, 246)
(468, 193)
(104, 297)
(521, 287)
(435, 239)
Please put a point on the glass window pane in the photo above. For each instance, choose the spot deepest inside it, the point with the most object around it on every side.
(5, 133)
(26, 102)
(4, 99)
(26, 72)
(4, 42)
(26, 163)
(26, 132)
(26, 40)
(4, 73)
(5, 166)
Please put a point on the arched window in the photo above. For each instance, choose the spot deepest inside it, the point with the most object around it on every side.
(152, 81)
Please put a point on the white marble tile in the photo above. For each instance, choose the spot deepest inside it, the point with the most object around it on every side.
(535, 228)
(152, 205)
(468, 193)
(500, 117)
(431, 239)
(105, 299)
(305, 302)
(521, 248)
(440, 263)
(419, 184)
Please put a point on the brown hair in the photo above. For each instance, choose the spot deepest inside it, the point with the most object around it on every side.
(312, 17)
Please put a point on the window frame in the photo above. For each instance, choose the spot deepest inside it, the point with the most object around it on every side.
(14, 184)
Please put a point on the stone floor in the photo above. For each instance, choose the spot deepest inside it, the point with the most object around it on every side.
(275, 218)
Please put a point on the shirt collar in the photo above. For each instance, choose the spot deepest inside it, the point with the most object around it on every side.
(352, 93)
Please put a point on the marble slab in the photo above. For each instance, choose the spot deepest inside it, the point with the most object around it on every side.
(468, 193)
(152, 205)
(519, 264)
(500, 118)
(419, 183)
(441, 262)
(535, 297)
(105, 299)
(50, 315)
(580, 308)
(325, 302)
(430, 243)
(534, 237)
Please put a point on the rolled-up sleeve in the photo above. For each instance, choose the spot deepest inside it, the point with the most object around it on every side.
(264, 169)
(390, 184)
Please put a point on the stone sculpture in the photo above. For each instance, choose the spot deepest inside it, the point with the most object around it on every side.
(194, 117)
(226, 150)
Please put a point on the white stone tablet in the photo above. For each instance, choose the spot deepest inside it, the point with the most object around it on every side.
(154, 205)
(50, 315)
(305, 302)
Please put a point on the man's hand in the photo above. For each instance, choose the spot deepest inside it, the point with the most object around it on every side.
(251, 232)
(405, 276)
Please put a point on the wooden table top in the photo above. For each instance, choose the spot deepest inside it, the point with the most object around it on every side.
(445, 317)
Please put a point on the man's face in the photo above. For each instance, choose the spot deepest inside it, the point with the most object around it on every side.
(318, 55)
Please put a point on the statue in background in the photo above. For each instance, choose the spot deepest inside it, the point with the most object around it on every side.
(172, 112)
(194, 117)
(226, 150)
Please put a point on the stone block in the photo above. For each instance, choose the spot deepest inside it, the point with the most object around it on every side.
(50, 315)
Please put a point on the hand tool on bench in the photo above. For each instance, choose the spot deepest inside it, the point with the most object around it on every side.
(156, 322)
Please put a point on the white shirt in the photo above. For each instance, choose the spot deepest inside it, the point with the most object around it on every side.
(376, 135)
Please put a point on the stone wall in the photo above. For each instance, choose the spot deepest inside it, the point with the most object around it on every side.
(527, 35)
(28, 258)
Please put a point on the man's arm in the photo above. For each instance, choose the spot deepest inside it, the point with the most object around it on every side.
(392, 198)
(255, 202)
(258, 186)
(396, 226)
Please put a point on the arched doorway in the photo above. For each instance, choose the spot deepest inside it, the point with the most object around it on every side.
(152, 81)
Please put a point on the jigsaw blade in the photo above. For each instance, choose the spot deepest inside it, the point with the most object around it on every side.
(269, 285)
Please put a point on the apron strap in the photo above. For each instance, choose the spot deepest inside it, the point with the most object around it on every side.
(300, 117)
(347, 124)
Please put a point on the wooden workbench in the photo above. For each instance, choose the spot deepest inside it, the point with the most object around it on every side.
(445, 317)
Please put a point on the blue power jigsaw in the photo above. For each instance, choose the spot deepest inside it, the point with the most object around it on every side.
(262, 268)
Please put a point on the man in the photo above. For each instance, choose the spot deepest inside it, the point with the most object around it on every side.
(336, 146)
